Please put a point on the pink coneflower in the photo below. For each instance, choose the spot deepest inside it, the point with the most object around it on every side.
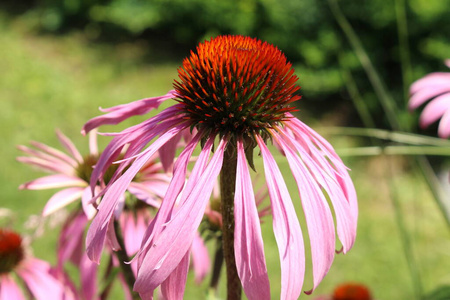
(34, 272)
(238, 90)
(72, 172)
(435, 86)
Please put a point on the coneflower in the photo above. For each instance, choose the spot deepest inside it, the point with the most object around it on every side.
(235, 94)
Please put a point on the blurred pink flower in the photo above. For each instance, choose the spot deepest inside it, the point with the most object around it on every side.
(33, 272)
(434, 86)
(72, 172)
(238, 90)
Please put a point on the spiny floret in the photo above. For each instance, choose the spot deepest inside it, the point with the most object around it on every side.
(11, 251)
(236, 84)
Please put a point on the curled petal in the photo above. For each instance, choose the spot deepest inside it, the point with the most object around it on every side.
(98, 229)
(173, 287)
(170, 246)
(119, 113)
(248, 243)
(317, 213)
(286, 228)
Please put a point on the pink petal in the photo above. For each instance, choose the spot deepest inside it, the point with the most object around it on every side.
(317, 213)
(286, 228)
(425, 94)
(433, 79)
(70, 243)
(332, 168)
(86, 203)
(47, 165)
(173, 191)
(9, 289)
(170, 246)
(93, 145)
(98, 229)
(53, 181)
(173, 287)
(70, 147)
(122, 112)
(200, 258)
(140, 134)
(167, 153)
(54, 154)
(43, 286)
(248, 243)
(444, 125)
(435, 110)
(61, 199)
(88, 273)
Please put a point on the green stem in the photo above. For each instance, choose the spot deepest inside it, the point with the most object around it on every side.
(356, 97)
(402, 28)
(382, 134)
(217, 267)
(386, 101)
(122, 256)
(227, 187)
(405, 238)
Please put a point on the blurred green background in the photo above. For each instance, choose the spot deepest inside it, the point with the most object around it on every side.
(61, 60)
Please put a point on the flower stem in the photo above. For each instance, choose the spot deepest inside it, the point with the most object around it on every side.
(217, 267)
(122, 256)
(227, 187)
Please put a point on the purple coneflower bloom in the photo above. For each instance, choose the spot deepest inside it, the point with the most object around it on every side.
(238, 90)
(435, 86)
(34, 273)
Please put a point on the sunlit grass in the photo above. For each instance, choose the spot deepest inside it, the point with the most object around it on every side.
(59, 82)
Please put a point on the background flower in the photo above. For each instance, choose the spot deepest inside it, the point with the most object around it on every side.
(436, 88)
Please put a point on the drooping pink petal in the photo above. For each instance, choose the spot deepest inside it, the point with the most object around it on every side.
(150, 193)
(248, 243)
(9, 289)
(173, 191)
(286, 228)
(200, 258)
(53, 181)
(61, 199)
(122, 112)
(133, 226)
(70, 147)
(70, 243)
(317, 213)
(444, 125)
(98, 229)
(36, 275)
(149, 129)
(172, 244)
(88, 274)
(331, 171)
(435, 110)
(167, 153)
(173, 287)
